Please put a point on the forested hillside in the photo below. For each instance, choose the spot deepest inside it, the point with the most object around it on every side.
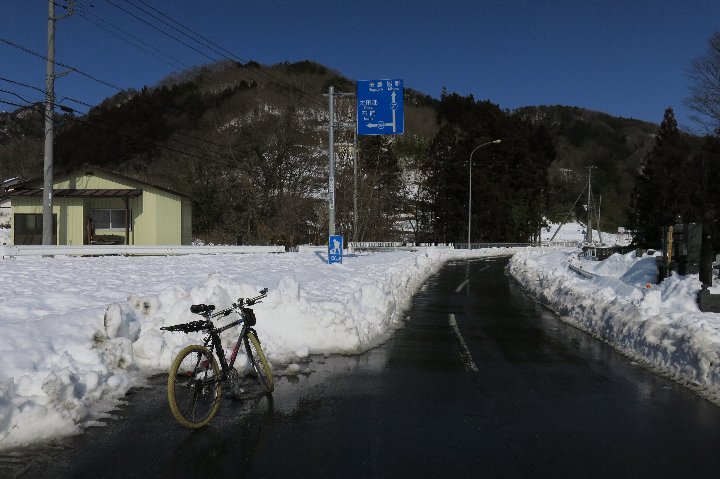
(249, 142)
(614, 146)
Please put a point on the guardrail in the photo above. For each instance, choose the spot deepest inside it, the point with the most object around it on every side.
(132, 250)
(582, 272)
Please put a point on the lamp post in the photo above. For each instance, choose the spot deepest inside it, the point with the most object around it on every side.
(470, 194)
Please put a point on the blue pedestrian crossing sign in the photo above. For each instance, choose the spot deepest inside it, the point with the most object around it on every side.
(380, 107)
(335, 249)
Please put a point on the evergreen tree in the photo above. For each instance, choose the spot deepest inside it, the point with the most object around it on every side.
(667, 185)
(509, 179)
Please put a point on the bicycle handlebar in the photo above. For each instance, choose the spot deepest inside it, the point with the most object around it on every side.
(235, 306)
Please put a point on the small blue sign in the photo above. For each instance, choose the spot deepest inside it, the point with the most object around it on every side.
(335, 249)
(380, 107)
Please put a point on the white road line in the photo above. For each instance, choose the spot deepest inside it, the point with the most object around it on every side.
(459, 288)
(464, 351)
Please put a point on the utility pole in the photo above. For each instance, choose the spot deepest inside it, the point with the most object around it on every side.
(588, 236)
(331, 159)
(48, 226)
(355, 162)
(49, 128)
(331, 155)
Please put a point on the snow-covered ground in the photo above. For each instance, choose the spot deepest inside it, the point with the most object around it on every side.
(5, 225)
(575, 231)
(5, 237)
(77, 333)
(659, 326)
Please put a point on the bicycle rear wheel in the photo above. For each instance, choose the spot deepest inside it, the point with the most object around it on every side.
(259, 362)
(194, 388)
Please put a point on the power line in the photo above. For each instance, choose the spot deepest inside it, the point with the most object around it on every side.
(127, 135)
(20, 97)
(217, 49)
(27, 50)
(160, 30)
(39, 55)
(222, 51)
(43, 92)
(106, 83)
(164, 57)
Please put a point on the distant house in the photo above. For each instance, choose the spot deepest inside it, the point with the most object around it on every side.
(96, 206)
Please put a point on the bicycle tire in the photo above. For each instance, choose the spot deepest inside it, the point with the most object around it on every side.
(194, 387)
(259, 362)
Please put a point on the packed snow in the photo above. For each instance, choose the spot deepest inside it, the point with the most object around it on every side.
(78, 333)
(658, 326)
(575, 231)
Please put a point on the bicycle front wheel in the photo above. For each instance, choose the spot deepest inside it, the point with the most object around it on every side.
(194, 388)
(259, 362)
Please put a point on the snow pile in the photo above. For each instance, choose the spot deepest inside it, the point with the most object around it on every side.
(659, 326)
(575, 231)
(5, 237)
(78, 333)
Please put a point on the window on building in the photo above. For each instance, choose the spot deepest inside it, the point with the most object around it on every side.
(29, 229)
(108, 219)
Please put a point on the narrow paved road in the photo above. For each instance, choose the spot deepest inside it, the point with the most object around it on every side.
(481, 382)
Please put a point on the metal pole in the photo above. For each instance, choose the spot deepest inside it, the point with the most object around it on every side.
(47, 234)
(470, 200)
(588, 236)
(355, 208)
(470, 189)
(331, 160)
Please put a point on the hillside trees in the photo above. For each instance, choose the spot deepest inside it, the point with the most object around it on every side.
(668, 184)
(509, 179)
(705, 89)
(614, 146)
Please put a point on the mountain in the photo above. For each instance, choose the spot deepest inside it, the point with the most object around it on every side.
(614, 146)
(250, 143)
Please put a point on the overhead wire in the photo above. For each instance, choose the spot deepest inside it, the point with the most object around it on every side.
(111, 127)
(109, 84)
(58, 102)
(121, 133)
(83, 7)
(163, 57)
(27, 50)
(220, 51)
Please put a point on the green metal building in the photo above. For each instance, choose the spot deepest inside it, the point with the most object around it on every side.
(96, 206)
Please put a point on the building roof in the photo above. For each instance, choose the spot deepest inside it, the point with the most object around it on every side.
(94, 193)
(92, 170)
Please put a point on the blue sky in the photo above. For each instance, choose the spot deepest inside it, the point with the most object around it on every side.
(626, 58)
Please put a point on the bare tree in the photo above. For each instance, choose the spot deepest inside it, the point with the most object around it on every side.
(705, 90)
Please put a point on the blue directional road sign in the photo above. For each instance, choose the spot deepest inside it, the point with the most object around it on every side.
(380, 107)
(335, 249)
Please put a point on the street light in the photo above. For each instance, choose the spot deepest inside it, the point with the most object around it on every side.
(470, 195)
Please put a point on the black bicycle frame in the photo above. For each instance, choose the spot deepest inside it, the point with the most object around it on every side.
(214, 337)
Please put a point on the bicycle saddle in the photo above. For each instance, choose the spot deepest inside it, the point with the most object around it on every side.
(202, 308)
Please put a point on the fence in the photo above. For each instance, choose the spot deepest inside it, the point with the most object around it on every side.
(132, 250)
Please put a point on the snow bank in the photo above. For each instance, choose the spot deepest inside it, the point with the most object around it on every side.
(5, 237)
(78, 333)
(659, 326)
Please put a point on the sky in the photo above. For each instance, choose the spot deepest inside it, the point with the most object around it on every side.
(627, 59)
(70, 355)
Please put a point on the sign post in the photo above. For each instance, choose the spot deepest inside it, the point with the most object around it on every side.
(380, 107)
(335, 249)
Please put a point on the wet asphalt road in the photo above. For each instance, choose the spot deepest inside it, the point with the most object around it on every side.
(506, 391)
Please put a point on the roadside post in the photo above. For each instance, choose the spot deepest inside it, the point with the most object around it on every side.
(335, 249)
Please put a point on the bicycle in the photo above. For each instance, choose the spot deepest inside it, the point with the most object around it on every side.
(195, 379)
